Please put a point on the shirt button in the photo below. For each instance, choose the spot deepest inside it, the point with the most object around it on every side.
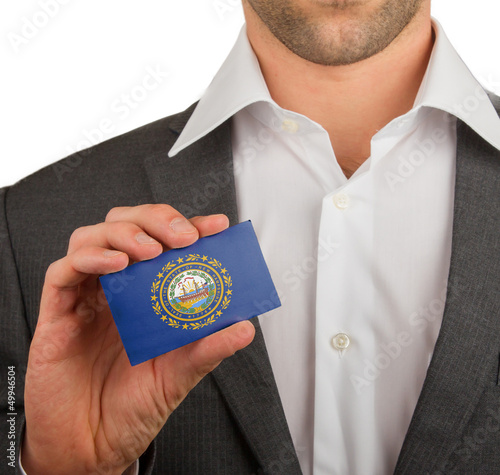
(341, 200)
(290, 126)
(340, 341)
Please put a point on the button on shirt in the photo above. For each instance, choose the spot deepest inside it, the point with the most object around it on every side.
(360, 264)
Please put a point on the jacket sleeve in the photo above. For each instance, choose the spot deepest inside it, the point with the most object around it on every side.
(15, 339)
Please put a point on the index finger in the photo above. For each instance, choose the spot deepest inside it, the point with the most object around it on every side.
(160, 221)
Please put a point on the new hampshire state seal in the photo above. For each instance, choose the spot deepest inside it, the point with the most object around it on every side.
(191, 292)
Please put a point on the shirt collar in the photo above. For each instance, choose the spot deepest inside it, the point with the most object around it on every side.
(237, 84)
(448, 85)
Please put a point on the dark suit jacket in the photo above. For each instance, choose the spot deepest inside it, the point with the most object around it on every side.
(233, 421)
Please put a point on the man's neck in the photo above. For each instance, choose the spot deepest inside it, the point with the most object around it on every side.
(350, 102)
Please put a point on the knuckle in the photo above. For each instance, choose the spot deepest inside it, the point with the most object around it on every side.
(163, 215)
(202, 371)
(77, 236)
(115, 212)
(162, 210)
(82, 236)
(228, 345)
(52, 271)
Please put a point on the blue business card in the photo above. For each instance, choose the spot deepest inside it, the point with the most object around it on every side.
(186, 294)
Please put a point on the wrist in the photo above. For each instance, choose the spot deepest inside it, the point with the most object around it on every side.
(31, 464)
(35, 464)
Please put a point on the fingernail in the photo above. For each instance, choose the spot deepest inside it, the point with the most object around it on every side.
(143, 238)
(245, 330)
(182, 226)
(110, 253)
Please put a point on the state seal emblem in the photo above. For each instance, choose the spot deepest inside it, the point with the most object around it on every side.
(191, 292)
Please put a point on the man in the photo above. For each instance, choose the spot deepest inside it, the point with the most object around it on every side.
(367, 157)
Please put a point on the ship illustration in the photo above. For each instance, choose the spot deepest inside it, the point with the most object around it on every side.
(192, 292)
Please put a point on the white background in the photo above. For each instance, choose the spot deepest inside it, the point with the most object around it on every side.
(58, 86)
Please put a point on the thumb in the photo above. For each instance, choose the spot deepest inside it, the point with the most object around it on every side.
(182, 369)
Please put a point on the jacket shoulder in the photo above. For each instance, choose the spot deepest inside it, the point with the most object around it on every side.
(120, 151)
(108, 172)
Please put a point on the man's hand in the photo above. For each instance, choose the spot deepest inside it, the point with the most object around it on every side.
(87, 409)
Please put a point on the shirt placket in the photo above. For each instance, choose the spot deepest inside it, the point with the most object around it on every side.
(343, 310)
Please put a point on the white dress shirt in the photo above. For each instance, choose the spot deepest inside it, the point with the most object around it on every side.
(362, 261)
(360, 264)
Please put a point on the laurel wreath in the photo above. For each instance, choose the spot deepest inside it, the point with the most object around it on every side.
(155, 286)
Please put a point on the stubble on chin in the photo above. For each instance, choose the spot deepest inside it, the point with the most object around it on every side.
(349, 31)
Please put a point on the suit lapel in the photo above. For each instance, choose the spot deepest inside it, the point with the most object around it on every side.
(199, 181)
(247, 383)
(468, 339)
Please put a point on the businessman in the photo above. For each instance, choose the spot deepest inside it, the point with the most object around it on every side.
(367, 156)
